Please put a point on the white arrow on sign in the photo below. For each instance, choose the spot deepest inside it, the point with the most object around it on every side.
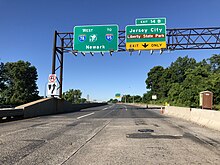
(52, 89)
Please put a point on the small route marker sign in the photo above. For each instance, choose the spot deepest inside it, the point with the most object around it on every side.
(52, 78)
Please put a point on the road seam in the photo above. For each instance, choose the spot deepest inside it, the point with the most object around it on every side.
(87, 141)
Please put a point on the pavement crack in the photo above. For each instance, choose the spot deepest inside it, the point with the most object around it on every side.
(40, 124)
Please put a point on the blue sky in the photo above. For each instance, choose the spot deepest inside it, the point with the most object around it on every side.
(27, 28)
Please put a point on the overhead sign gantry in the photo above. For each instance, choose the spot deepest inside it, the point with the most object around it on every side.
(175, 39)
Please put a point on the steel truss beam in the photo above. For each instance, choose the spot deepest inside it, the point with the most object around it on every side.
(177, 39)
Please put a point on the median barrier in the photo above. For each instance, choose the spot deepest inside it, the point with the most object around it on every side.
(207, 118)
(49, 106)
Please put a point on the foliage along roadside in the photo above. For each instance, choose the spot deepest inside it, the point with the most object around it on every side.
(180, 83)
(18, 83)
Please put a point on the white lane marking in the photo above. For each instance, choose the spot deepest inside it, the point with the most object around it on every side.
(125, 108)
(108, 107)
(85, 115)
(105, 108)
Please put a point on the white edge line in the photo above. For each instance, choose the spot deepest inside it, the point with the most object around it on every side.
(85, 115)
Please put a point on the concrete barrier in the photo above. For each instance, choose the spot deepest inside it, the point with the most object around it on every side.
(10, 112)
(207, 118)
(145, 105)
(50, 106)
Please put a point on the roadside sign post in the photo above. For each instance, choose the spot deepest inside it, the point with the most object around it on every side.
(52, 87)
(100, 38)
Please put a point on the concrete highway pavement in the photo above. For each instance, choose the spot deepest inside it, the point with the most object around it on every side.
(111, 134)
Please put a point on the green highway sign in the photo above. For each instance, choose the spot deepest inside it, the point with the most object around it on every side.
(145, 37)
(118, 95)
(150, 21)
(99, 38)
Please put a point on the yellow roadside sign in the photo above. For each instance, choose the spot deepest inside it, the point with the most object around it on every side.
(145, 45)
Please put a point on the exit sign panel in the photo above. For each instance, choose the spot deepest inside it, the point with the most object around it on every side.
(145, 37)
(150, 21)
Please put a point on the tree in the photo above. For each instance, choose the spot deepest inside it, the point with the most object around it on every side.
(154, 80)
(2, 82)
(214, 81)
(196, 81)
(179, 67)
(73, 96)
(215, 63)
(147, 97)
(137, 99)
(127, 99)
(113, 101)
(2, 79)
(174, 93)
(183, 80)
(20, 83)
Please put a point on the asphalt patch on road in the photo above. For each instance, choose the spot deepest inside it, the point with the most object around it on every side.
(151, 136)
(145, 130)
(140, 122)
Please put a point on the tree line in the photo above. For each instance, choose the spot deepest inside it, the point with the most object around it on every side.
(18, 83)
(178, 84)
(181, 82)
(74, 96)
